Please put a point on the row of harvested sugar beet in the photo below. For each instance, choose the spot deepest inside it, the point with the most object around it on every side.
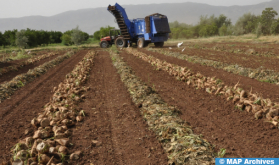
(244, 100)
(8, 88)
(178, 140)
(50, 142)
(27, 62)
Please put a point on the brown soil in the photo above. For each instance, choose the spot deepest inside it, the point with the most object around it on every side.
(266, 89)
(113, 120)
(17, 112)
(248, 61)
(212, 116)
(16, 62)
(261, 48)
(10, 75)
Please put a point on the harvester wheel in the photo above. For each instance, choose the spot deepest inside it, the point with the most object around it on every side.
(104, 44)
(141, 43)
(120, 42)
(159, 44)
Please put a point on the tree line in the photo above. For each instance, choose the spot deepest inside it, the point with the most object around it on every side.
(264, 24)
(32, 38)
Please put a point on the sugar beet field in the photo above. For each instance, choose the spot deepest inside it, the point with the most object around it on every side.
(171, 105)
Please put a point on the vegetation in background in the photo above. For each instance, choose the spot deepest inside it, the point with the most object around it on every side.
(264, 24)
(32, 38)
(21, 39)
(66, 38)
(74, 36)
(9, 38)
(207, 26)
(259, 30)
(77, 36)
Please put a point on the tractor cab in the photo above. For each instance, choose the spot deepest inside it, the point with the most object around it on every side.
(109, 40)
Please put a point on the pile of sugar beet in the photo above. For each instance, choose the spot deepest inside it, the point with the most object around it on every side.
(50, 142)
(262, 74)
(244, 100)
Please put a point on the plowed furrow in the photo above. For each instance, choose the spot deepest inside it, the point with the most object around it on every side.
(211, 116)
(10, 75)
(267, 90)
(114, 121)
(17, 112)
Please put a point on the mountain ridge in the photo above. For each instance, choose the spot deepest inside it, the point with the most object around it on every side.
(91, 19)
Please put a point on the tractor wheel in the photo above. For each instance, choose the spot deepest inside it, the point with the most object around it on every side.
(104, 44)
(159, 44)
(141, 43)
(120, 42)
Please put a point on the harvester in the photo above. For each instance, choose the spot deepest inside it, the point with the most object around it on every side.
(141, 31)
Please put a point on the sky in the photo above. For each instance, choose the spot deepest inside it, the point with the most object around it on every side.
(21, 8)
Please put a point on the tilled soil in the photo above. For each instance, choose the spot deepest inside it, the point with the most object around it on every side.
(16, 62)
(262, 48)
(266, 89)
(10, 75)
(213, 117)
(114, 122)
(242, 59)
(17, 112)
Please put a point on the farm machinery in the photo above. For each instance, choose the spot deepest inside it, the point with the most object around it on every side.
(141, 31)
(109, 40)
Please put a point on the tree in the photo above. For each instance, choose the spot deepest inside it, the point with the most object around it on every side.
(32, 37)
(77, 36)
(66, 39)
(186, 33)
(274, 29)
(223, 30)
(21, 39)
(208, 30)
(96, 35)
(2, 40)
(246, 24)
(267, 18)
(222, 20)
(10, 37)
(85, 35)
(259, 30)
(230, 30)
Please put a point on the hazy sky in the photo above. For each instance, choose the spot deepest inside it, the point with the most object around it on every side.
(21, 8)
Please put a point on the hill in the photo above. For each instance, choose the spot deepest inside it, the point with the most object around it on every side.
(90, 20)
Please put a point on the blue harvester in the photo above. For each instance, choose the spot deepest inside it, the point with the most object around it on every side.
(142, 31)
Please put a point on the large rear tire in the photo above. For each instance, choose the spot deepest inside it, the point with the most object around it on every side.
(141, 43)
(159, 44)
(104, 44)
(120, 42)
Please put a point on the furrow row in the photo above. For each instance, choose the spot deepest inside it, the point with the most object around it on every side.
(176, 137)
(261, 74)
(243, 100)
(8, 88)
(50, 142)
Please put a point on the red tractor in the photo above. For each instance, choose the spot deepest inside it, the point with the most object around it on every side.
(113, 38)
